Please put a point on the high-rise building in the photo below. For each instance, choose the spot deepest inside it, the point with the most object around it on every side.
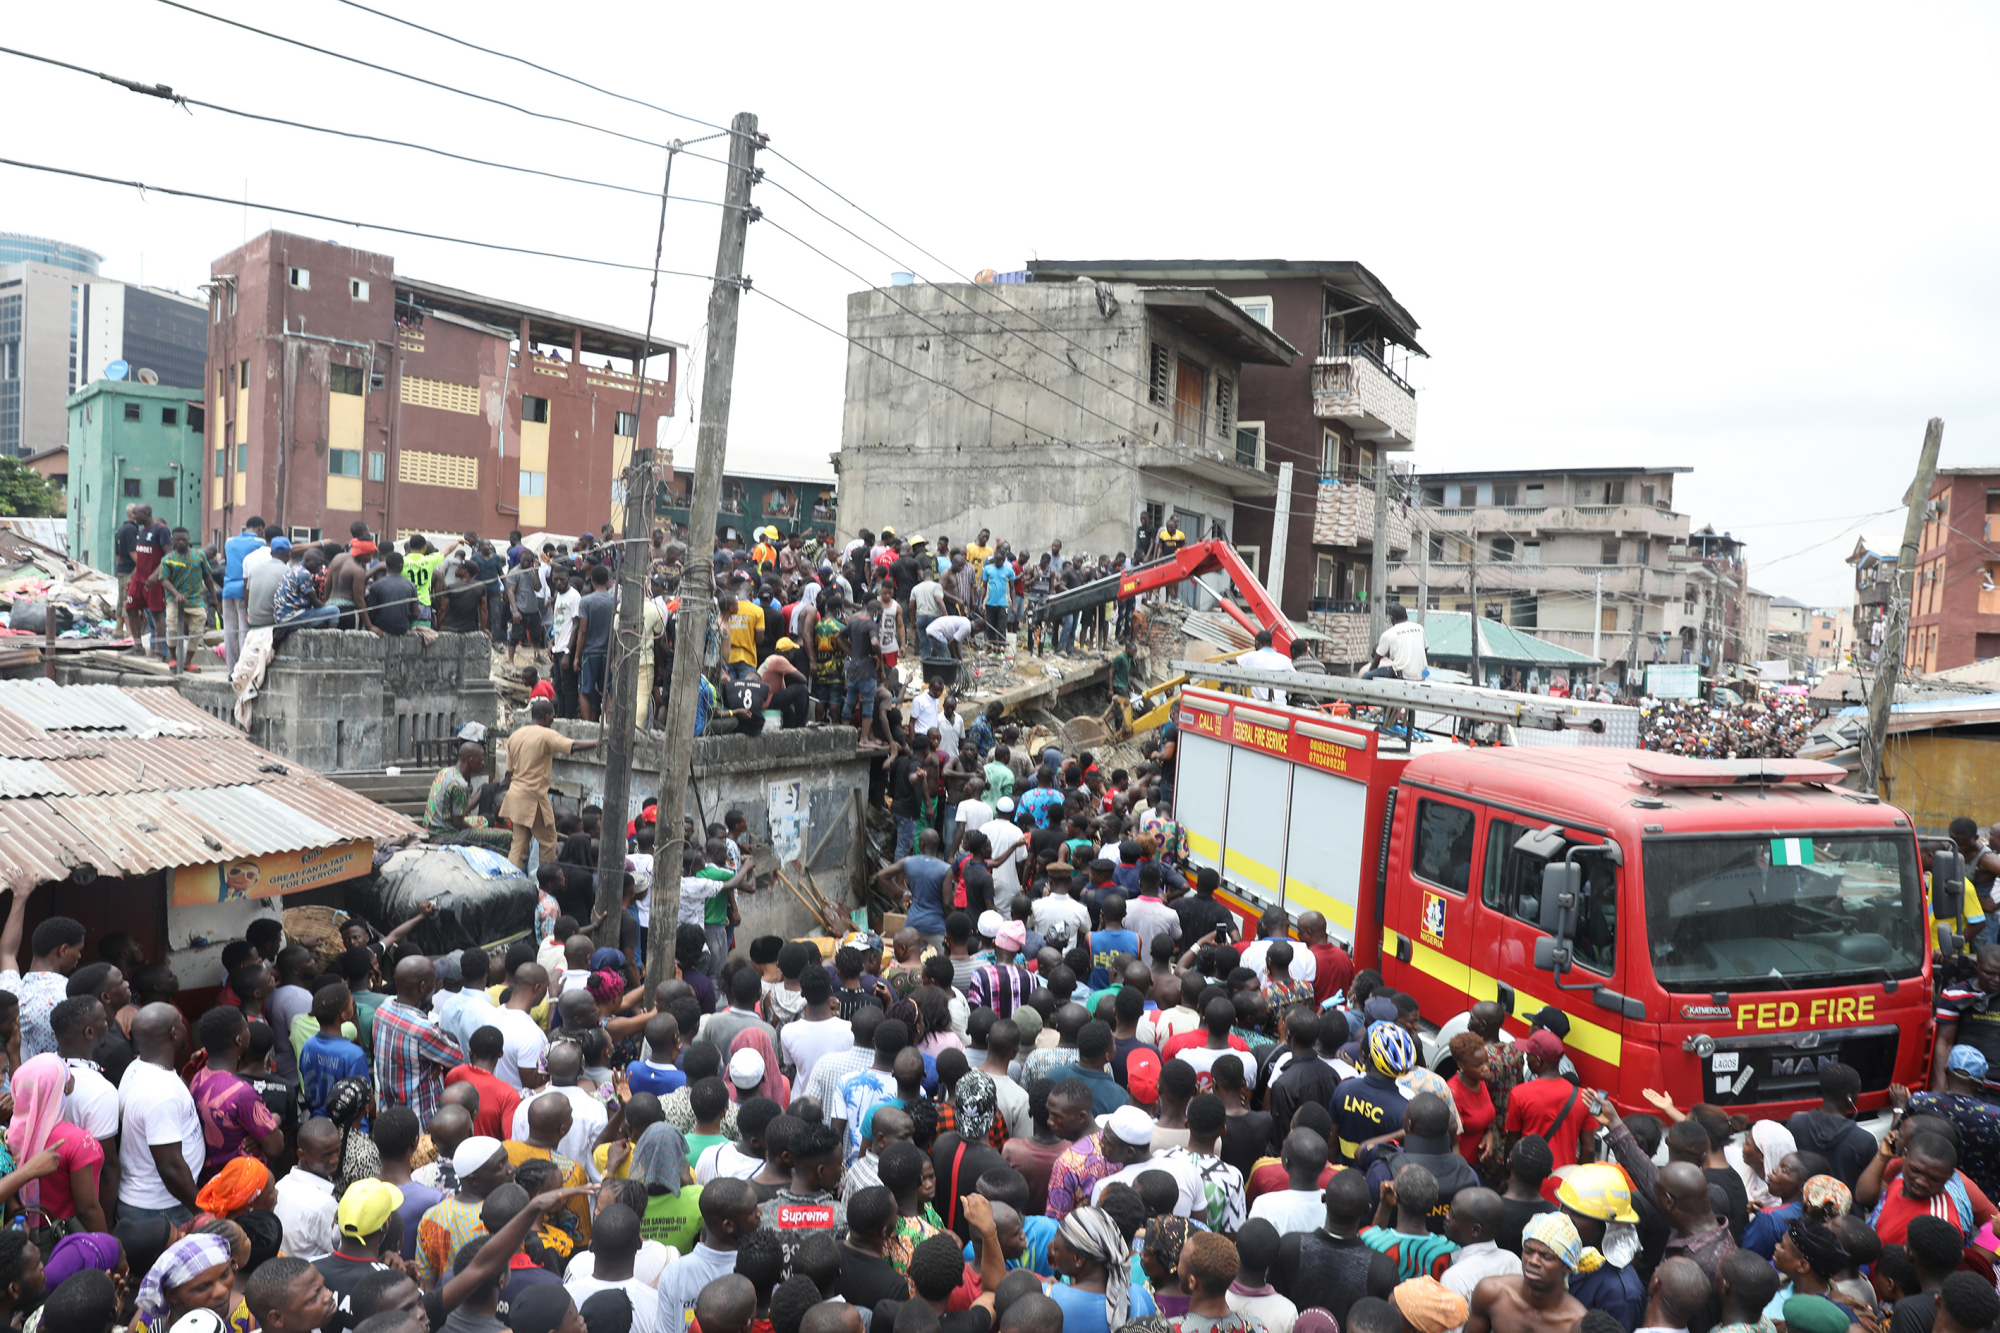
(62, 324)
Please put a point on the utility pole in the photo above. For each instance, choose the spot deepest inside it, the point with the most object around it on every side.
(623, 709)
(1634, 670)
(1378, 570)
(1281, 535)
(1423, 573)
(698, 573)
(1883, 691)
(1472, 591)
(1597, 619)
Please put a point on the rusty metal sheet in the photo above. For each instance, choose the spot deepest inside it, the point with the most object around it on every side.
(142, 831)
(253, 821)
(106, 708)
(351, 815)
(166, 702)
(30, 777)
(166, 763)
(37, 838)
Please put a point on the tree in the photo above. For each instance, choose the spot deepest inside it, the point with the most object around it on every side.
(25, 494)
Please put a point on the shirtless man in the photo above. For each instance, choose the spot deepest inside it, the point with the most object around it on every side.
(347, 580)
(1538, 1301)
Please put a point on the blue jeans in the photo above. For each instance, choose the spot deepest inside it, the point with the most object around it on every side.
(1066, 636)
(906, 835)
(741, 671)
(861, 699)
(318, 617)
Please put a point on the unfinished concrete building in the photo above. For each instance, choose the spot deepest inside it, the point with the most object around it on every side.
(1089, 412)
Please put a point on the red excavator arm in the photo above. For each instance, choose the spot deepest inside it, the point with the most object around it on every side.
(1204, 558)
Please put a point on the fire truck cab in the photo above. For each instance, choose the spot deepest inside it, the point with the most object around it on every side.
(1716, 930)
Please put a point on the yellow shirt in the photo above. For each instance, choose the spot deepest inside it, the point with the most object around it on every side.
(519, 1152)
(744, 627)
(978, 555)
(601, 1154)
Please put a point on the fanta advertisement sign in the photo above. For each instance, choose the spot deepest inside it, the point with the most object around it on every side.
(249, 877)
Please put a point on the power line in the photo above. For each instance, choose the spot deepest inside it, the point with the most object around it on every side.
(414, 78)
(555, 73)
(165, 93)
(144, 188)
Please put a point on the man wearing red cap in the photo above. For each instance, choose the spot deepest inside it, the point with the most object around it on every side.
(1547, 1104)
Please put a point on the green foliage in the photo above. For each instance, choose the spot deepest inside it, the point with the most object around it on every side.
(24, 494)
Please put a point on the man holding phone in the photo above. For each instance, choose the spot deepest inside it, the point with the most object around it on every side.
(1200, 913)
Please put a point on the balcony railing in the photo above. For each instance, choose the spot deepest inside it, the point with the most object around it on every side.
(1338, 605)
(1351, 383)
(1328, 349)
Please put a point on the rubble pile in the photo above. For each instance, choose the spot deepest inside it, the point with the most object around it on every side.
(32, 574)
(1771, 727)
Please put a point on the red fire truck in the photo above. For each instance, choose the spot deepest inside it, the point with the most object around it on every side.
(1716, 930)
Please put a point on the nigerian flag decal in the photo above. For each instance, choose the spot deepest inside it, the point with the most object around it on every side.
(1791, 851)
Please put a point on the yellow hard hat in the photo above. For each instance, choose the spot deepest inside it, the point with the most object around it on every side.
(1599, 1190)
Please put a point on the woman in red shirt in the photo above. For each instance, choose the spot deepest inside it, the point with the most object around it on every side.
(1479, 1137)
(37, 1127)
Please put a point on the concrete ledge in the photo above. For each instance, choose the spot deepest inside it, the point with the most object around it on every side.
(720, 755)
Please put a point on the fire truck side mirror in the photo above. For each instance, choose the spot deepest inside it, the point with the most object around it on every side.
(1947, 884)
(1551, 955)
(1562, 890)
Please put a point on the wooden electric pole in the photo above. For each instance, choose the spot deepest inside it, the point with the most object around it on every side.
(1883, 691)
(623, 709)
(1472, 591)
(698, 571)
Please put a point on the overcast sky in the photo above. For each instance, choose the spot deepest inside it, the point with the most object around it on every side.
(1758, 241)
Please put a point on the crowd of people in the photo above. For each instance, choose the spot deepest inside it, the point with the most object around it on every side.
(1061, 1097)
(1772, 726)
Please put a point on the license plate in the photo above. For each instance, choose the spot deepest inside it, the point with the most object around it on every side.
(1724, 1062)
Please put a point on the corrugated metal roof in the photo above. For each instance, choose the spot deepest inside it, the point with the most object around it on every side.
(1446, 637)
(132, 781)
(30, 777)
(257, 820)
(51, 707)
(1215, 627)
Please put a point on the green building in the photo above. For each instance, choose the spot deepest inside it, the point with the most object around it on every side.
(132, 443)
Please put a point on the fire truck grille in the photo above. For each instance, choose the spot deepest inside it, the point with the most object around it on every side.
(1790, 1073)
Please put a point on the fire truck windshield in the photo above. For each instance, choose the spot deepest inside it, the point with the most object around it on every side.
(1762, 913)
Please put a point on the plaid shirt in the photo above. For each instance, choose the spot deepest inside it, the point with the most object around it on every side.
(411, 1057)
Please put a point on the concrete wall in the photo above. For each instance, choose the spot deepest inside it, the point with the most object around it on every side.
(340, 700)
(739, 773)
(920, 456)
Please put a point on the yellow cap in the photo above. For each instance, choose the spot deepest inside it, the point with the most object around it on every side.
(365, 1208)
(786, 645)
(1595, 1189)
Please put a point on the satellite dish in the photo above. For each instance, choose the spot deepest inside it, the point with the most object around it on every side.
(117, 370)
(147, 375)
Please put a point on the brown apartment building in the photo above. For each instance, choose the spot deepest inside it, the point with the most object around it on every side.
(1955, 601)
(1335, 414)
(341, 390)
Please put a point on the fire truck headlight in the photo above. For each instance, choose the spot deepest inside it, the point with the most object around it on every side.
(1701, 1044)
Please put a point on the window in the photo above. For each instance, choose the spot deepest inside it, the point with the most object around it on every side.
(1326, 578)
(1468, 496)
(1503, 550)
(378, 465)
(242, 458)
(1506, 495)
(1524, 611)
(170, 416)
(1224, 405)
(165, 489)
(1436, 546)
(1646, 495)
(344, 379)
(1607, 619)
(1608, 552)
(445, 395)
(1512, 885)
(221, 464)
(1156, 374)
(1534, 489)
(132, 411)
(1441, 851)
(1614, 492)
(376, 379)
(243, 374)
(301, 278)
(1645, 552)
(1531, 553)
(357, 289)
(537, 409)
(1250, 444)
(343, 462)
(1434, 496)
(1249, 555)
(1329, 455)
(534, 483)
(628, 425)
(132, 488)
(1257, 307)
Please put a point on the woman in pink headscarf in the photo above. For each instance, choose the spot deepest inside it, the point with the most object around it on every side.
(775, 1085)
(37, 1127)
